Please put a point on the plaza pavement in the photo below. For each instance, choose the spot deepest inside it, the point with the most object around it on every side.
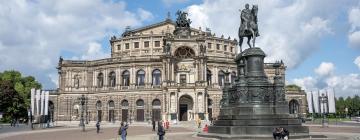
(142, 131)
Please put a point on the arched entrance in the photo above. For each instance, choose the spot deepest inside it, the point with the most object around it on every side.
(294, 106)
(99, 111)
(124, 110)
(111, 107)
(186, 108)
(51, 111)
(210, 109)
(156, 110)
(140, 110)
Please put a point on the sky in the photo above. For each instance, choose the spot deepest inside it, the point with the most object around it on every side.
(318, 40)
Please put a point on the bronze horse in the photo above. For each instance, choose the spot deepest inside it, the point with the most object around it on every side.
(252, 32)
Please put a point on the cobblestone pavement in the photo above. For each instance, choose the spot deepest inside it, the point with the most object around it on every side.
(143, 132)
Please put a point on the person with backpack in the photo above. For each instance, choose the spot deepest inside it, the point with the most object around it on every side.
(161, 131)
(123, 130)
(97, 127)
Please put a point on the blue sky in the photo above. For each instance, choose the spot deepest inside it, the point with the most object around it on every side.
(319, 41)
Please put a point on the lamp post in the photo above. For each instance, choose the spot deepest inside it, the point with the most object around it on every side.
(82, 101)
(323, 100)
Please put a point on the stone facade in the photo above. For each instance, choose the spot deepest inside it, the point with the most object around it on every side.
(151, 74)
(297, 101)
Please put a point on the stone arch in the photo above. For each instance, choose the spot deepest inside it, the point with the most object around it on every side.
(140, 114)
(184, 52)
(221, 78)
(156, 110)
(124, 110)
(208, 77)
(98, 106)
(125, 78)
(111, 111)
(140, 77)
(100, 80)
(156, 77)
(210, 108)
(294, 106)
(51, 110)
(112, 79)
(186, 104)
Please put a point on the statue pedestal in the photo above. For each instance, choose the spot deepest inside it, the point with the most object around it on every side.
(253, 107)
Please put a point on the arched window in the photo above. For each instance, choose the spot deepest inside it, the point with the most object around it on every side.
(76, 81)
(140, 78)
(208, 77)
(100, 80)
(294, 106)
(221, 78)
(233, 77)
(140, 103)
(156, 103)
(184, 52)
(112, 79)
(98, 105)
(111, 105)
(156, 74)
(125, 78)
(124, 104)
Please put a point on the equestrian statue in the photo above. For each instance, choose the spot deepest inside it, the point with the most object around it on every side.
(248, 26)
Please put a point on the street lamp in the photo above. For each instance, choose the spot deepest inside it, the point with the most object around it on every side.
(82, 101)
(323, 100)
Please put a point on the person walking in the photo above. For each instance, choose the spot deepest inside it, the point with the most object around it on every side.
(153, 125)
(123, 130)
(161, 131)
(97, 127)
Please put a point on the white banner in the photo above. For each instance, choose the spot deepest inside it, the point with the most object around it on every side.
(42, 99)
(37, 103)
(331, 101)
(32, 98)
(309, 97)
(46, 102)
(316, 102)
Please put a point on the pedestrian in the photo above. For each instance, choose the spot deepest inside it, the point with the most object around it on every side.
(167, 125)
(97, 127)
(199, 123)
(161, 131)
(123, 130)
(281, 133)
(153, 125)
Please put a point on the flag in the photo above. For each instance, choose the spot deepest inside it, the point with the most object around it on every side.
(331, 102)
(310, 102)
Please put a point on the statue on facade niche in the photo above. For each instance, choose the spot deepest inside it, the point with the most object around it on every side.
(202, 49)
(167, 48)
(248, 26)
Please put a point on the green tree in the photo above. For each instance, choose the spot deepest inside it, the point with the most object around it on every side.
(15, 94)
(340, 106)
(293, 87)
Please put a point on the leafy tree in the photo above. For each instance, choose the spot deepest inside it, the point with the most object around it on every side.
(293, 87)
(15, 94)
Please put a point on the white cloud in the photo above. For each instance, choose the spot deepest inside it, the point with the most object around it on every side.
(325, 69)
(34, 34)
(344, 85)
(144, 15)
(354, 32)
(289, 30)
(94, 52)
(306, 83)
(357, 61)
